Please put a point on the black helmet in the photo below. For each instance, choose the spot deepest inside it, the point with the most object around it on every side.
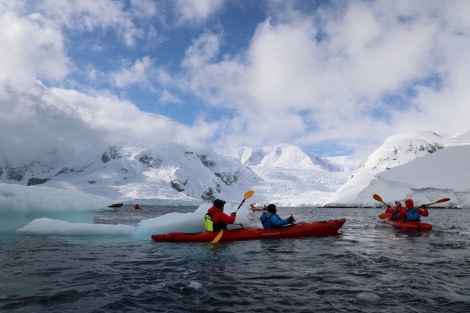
(219, 204)
(272, 208)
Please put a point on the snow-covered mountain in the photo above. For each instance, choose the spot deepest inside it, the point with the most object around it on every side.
(290, 176)
(173, 174)
(421, 165)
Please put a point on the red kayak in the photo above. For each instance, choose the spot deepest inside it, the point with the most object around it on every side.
(294, 231)
(411, 225)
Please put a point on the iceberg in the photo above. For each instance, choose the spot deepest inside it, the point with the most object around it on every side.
(20, 205)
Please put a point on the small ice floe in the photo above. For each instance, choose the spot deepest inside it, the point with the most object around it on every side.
(195, 285)
(47, 226)
(369, 297)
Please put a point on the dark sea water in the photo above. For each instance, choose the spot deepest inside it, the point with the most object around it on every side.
(368, 267)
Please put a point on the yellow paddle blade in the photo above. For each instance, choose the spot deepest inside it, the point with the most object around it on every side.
(248, 194)
(217, 238)
(384, 216)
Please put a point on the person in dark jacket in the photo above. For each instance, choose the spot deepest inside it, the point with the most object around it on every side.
(220, 220)
(270, 219)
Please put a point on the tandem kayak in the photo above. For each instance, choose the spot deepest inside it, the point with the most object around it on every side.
(411, 225)
(293, 231)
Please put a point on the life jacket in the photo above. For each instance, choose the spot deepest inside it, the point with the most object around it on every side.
(412, 215)
(208, 224)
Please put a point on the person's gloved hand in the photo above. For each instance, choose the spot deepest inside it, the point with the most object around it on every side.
(234, 213)
(291, 219)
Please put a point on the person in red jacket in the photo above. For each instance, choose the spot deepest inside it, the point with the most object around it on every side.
(389, 209)
(220, 220)
(410, 213)
(394, 211)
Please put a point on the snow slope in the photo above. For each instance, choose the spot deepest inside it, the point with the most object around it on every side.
(421, 165)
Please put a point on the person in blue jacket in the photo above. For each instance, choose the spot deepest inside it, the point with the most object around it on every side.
(271, 220)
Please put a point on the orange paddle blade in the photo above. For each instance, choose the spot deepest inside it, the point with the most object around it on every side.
(377, 197)
(384, 216)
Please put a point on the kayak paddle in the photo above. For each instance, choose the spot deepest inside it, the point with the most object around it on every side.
(292, 215)
(379, 198)
(438, 201)
(247, 195)
(384, 216)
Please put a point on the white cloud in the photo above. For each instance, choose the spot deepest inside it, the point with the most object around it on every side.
(37, 119)
(330, 72)
(30, 47)
(136, 73)
(90, 15)
(189, 11)
(304, 76)
(167, 97)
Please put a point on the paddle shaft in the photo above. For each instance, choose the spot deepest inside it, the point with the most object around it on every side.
(240, 205)
(379, 198)
(438, 201)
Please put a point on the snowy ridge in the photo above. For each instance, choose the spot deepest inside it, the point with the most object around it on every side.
(283, 156)
(175, 175)
(405, 166)
(421, 165)
(291, 176)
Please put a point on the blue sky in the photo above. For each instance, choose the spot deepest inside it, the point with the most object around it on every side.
(335, 77)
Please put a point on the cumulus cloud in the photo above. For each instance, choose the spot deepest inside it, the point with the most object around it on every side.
(190, 12)
(89, 15)
(30, 47)
(38, 119)
(350, 73)
(330, 75)
(134, 74)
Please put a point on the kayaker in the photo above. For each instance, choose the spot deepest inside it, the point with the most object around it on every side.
(389, 209)
(219, 219)
(270, 219)
(412, 213)
(398, 207)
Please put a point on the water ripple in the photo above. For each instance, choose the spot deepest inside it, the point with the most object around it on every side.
(368, 267)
